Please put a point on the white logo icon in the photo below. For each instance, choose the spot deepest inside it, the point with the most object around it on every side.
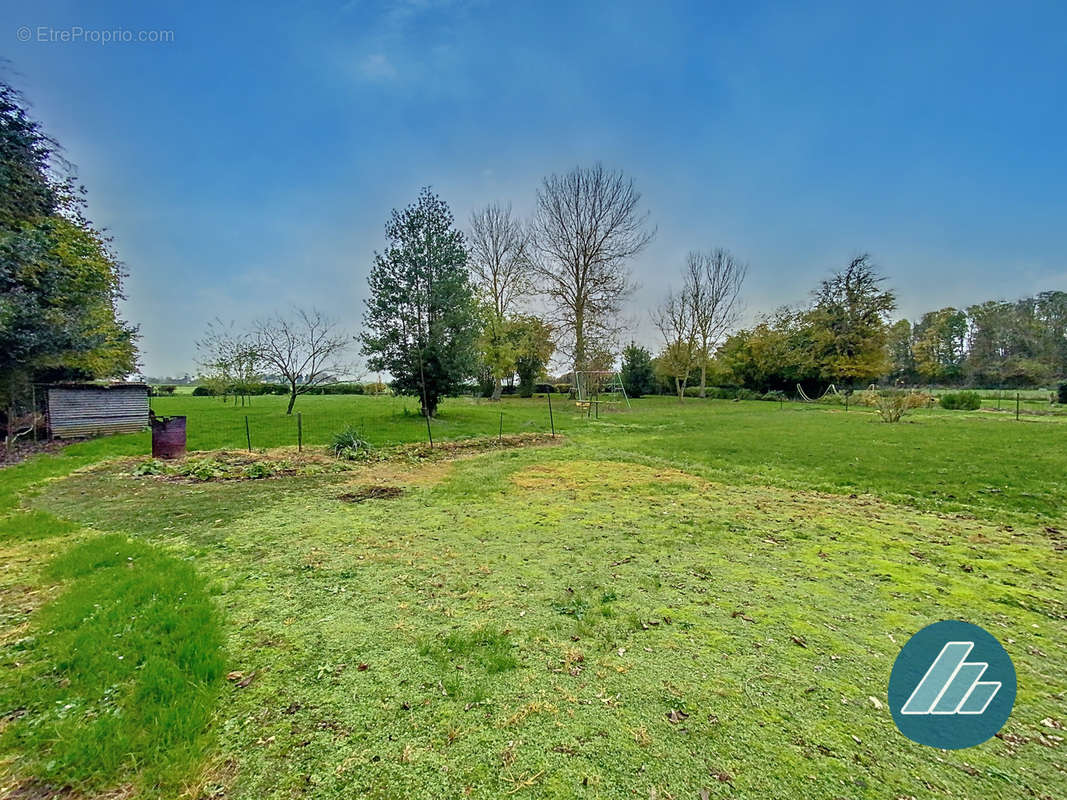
(951, 685)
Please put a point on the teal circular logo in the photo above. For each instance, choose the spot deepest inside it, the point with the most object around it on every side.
(952, 686)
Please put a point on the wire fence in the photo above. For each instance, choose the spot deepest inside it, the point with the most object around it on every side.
(213, 425)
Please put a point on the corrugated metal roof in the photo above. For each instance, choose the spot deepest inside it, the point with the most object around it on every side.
(90, 410)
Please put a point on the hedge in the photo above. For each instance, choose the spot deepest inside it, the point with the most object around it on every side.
(961, 401)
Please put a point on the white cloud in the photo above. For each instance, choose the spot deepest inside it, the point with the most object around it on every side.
(378, 67)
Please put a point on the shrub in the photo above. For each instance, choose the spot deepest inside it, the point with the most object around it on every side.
(168, 389)
(202, 391)
(526, 387)
(1062, 395)
(722, 392)
(375, 388)
(337, 388)
(727, 393)
(544, 388)
(259, 469)
(348, 444)
(562, 388)
(775, 395)
(203, 469)
(961, 401)
(892, 404)
(152, 466)
(914, 398)
(467, 389)
(265, 388)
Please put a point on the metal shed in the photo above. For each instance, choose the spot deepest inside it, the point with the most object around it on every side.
(90, 409)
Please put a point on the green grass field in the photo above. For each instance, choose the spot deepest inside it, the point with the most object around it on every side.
(678, 601)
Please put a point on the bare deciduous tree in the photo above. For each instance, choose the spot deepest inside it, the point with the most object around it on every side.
(713, 282)
(586, 226)
(676, 320)
(305, 349)
(229, 360)
(500, 267)
(499, 257)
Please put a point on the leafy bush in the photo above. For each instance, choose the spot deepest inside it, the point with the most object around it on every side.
(337, 388)
(265, 388)
(260, 469)
(722, 392)
(348, 444)
(638, 373)
(961, 401)
(526, 387)
(202, 391)
(892, 404)
(775, 396)
(225, 466)
(1062, 395)
(203, 469)
(562, 388)
(872, 398)
(375, 388)
(152, 466)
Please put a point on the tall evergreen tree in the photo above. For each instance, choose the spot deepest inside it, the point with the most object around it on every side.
(421, 316)
(60, 281)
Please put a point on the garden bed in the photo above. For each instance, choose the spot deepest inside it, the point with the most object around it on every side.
(237, 465)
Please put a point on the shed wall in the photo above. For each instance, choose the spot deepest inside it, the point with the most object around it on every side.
(93, 411)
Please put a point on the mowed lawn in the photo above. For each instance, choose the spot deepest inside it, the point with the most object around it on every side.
(676, 601)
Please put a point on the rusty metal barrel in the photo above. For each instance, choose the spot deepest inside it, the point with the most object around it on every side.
(168, 437)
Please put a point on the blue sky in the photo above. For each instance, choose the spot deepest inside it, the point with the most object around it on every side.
(250, 163)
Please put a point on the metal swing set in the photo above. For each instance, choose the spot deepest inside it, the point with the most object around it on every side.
(589, 384)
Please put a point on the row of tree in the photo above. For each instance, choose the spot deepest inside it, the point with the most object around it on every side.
(995, 344)
(448, 306)
(445, 306)
(841, 337)
(845, 338)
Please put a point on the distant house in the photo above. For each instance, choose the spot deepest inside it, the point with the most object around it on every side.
(91, 409)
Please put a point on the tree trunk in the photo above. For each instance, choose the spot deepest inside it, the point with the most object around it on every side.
(681, 389)
(703, 379)
(429, 407)
(497, 391)
(292, 399)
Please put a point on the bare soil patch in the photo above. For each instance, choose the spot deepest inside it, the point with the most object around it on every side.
(371, 492)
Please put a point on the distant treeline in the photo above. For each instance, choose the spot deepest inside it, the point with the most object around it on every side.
(256, 389)
(996, 344)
